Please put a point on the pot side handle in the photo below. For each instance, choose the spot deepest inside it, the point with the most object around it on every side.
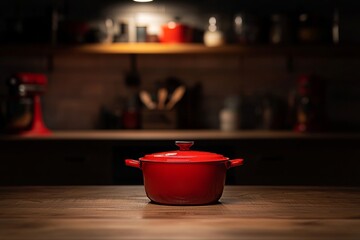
(133, 163)
(234, 163)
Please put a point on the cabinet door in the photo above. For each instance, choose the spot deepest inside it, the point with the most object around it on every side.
(299, 162)
(54, 163)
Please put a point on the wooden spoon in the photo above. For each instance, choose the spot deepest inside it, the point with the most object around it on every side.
(146, 99)
(162, 95)
(176, 97)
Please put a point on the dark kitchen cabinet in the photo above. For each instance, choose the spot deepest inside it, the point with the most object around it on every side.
(54, 163)
(89, 158)
(300, 162)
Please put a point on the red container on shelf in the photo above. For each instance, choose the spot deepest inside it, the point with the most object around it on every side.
(175, 32)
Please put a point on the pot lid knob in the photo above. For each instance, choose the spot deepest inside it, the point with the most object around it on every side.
(184, 145)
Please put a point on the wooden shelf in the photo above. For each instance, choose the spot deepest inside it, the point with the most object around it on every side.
(180, 135)
(150, 48)
(158, 48)
(191, 48)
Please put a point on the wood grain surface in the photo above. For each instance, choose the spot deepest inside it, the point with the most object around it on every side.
(124, 212)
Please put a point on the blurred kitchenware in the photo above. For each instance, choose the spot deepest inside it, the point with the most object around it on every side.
(336, 27)
(100, 31)
(229, 115)
(176, 97)
(131, 116)
(213, 37)
(121, 31)
(175, 32)
(23, 108)
(162, 96)
(184, 177)
(246, 28)
(141, 33)
(280, 29)
(310, 104)
(314, 28)
(146, 99)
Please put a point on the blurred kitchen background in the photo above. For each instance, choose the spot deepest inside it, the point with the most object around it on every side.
(289, 66)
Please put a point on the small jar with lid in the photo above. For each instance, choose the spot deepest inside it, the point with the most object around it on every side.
(213, 37)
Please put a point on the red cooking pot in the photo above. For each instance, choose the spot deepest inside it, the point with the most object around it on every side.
(184, 177)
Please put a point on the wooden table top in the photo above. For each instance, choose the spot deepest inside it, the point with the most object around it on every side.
(124, 212)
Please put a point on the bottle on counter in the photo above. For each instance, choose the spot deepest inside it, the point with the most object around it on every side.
(122, 31)
(310, 104)
(131, 118)
(246, 28)
(229, 116)
(279, 29)
(336, 28)
(267, 114)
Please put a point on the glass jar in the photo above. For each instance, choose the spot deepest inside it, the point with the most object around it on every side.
(213, 36)
(246, 28)
(279, 29)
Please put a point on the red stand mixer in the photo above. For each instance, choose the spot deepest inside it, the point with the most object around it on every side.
(24, 113)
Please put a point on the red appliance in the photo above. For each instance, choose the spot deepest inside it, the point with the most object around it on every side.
(24, 113)
(184, 177)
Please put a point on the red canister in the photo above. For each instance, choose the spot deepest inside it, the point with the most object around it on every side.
(175, 32)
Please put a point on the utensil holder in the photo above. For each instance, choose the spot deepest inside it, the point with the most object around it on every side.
(159, 119)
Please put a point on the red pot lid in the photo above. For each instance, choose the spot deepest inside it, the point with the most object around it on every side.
(184, 154)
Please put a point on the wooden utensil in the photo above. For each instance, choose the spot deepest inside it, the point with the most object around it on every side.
(146, 99)
(176, 97)
(162, 95)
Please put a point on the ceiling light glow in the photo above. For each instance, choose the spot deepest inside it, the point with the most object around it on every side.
(142, 1)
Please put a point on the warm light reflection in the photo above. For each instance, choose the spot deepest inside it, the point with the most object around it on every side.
(142, 1)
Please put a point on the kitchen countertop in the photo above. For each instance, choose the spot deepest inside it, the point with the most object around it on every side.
(124, 212)
(179, 134)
